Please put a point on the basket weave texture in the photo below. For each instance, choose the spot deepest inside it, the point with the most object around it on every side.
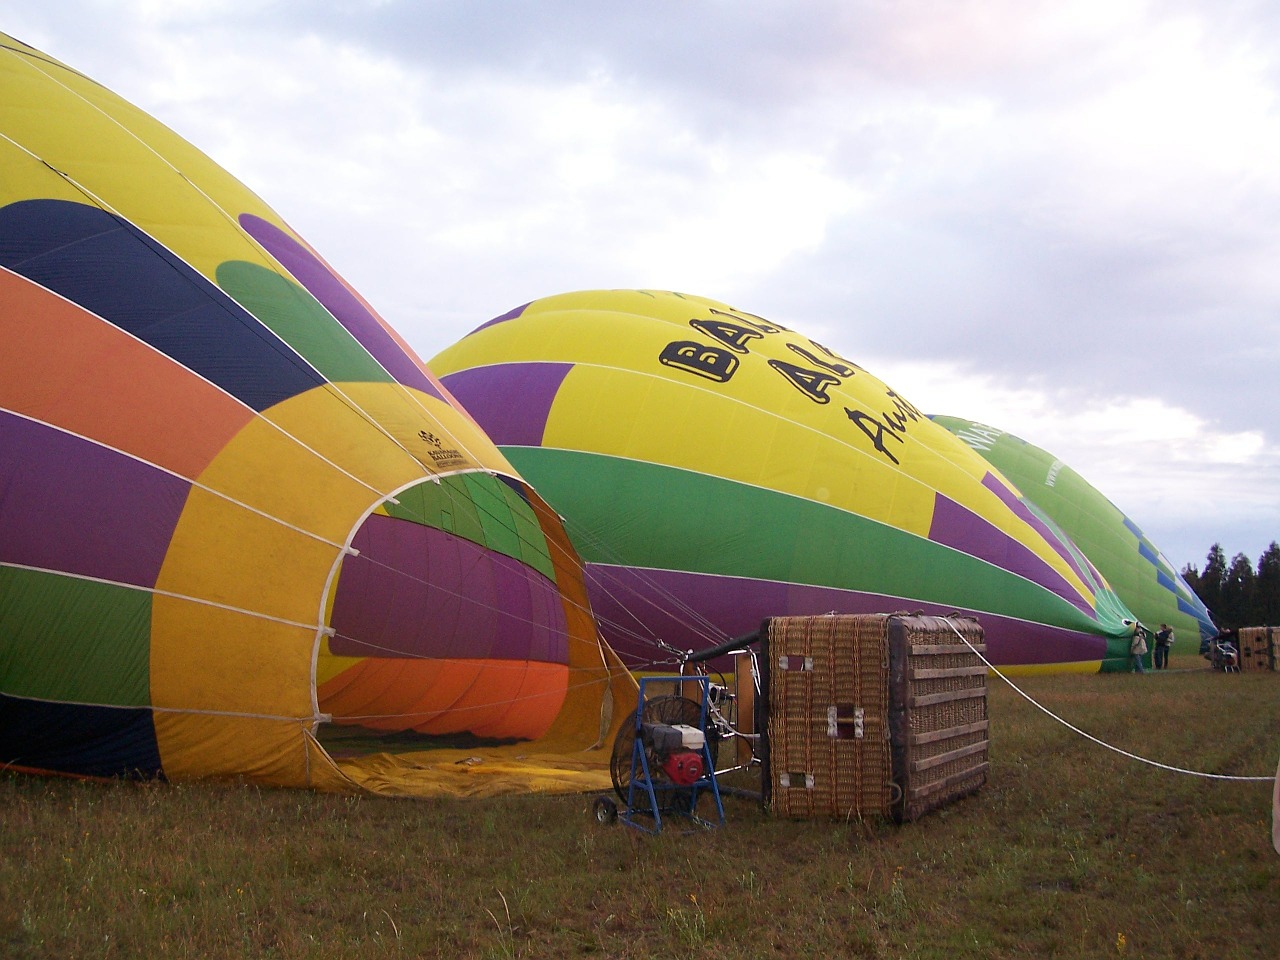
(874, 714)
(823, 670)
(1258, 648)
(943, 744)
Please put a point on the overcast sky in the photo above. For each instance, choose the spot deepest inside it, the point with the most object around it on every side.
(1060, 218)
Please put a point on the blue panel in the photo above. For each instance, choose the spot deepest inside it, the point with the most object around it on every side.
(84, 740)
(515, 485)
(1149, 554)
(1166, 581)
(1133, 528)
(109, 267)
(1207, 629)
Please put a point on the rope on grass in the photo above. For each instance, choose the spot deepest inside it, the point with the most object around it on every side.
(1088, 736)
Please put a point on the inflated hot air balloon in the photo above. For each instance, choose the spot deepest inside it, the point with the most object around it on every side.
(234, 506)
(715, 468)
(1137, 571)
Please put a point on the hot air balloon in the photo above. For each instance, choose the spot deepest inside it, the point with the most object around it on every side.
(715, 468)
(1133, 566)
(236, 511)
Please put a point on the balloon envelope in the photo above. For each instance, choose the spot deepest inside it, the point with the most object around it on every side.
(233, 504)
(1136, 569)
(715, 468)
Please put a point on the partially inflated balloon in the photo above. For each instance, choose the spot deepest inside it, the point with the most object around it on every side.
(1137, 571)
(233, 504)
(715, 468)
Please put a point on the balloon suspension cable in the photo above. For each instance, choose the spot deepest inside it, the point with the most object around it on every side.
(1088, 736)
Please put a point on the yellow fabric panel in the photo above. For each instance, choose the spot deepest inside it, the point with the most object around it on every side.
(209, 658)
(156, 179)
(26, 178)
(328, 665)
(481, 773)
(601, 690)
(810, 449)
(392, 454)
(320, 461)
(1046, 669)
(226, 554)
(276, 752)
(711, 441)
(308, 474)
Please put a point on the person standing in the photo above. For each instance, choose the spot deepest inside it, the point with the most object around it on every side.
(1138, 648)
(1164, 641)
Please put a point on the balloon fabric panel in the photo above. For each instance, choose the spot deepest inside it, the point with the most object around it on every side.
(346, 307)
(488, 604)
(1114, 544)
(84, 740)
(65, 367)
(99, 631)
(199, 422)
(74, 506)
(696, 448)
(102, 263)
(479, 508)
(655, 518)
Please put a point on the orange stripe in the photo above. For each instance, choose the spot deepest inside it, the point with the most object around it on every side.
(502, 698)
(67, 367)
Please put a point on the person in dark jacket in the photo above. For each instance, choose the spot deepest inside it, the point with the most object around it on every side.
(1164, 641)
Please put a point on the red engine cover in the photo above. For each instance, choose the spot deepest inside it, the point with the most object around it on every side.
(684, 767)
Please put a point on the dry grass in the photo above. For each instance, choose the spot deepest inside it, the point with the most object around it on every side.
(1069, 851)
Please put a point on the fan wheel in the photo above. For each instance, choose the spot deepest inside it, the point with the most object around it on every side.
(669, 710)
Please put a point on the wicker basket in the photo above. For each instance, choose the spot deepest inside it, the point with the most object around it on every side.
(1258, 648)
(828, 736)
(938, 720)
(872, 714)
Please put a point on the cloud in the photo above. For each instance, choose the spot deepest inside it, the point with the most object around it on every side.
(1062, 207)
(1183, 480)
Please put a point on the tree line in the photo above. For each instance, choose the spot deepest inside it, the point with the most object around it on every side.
(1238, 594)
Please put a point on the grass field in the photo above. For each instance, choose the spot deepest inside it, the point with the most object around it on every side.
(1070, 850)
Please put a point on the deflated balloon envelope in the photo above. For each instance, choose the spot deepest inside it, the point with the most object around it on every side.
(1136, 569)
(715, 468)
(233, 503)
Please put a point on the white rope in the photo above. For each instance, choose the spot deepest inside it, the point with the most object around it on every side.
(1088, 736)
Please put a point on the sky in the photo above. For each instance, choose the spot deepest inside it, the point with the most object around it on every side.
(1061, 219)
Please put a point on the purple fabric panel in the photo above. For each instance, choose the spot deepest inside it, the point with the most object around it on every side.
(416, 591)
(509, 315)
(69, 505)
(338, 299)
(1020, 510)
(736, 606)
(960, 528)
(511, 401)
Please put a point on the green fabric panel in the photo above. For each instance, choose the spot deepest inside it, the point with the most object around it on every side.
(300, 321)
(480, 508)
(70, 640)
(656, 516)
(509, 522)
(444, 505)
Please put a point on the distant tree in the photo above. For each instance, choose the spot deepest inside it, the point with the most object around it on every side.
(1191, 574)
(1266, 588)
(1237, 592)
(1209, 588)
